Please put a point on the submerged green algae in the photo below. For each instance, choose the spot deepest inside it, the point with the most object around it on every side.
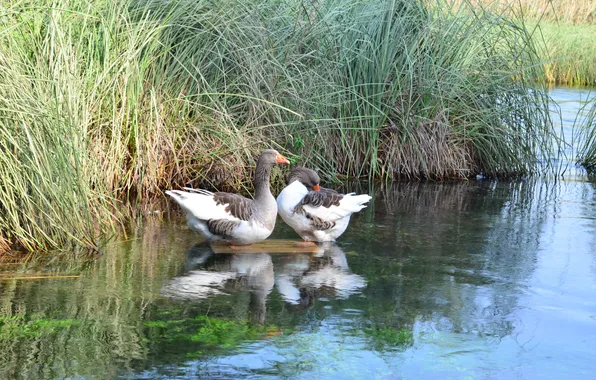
(206, 331)
(17, 327)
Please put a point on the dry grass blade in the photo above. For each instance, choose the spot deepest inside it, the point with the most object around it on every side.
(36, 278)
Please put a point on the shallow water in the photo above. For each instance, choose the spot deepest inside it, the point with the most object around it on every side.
(478, 279)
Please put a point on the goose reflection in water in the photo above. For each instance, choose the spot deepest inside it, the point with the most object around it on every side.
(302, 278)
(299, 278)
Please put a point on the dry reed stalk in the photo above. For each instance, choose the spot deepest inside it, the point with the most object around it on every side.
(36, 278)
(431, 151)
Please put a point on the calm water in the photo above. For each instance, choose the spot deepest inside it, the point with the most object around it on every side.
(479, 279)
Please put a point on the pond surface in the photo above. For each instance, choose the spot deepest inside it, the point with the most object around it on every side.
(479, 279)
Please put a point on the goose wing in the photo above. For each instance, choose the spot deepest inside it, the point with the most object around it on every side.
(329, 206)
(235, 205)
(205, 205)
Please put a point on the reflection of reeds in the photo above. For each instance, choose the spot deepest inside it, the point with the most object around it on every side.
(95, 322)
(104, 101)
(420, 198)
(443, 246)
(442, 209)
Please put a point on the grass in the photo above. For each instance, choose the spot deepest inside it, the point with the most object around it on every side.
(570, 54)
(561, 11)
(586, 124)
(563, 30)
(104, 102)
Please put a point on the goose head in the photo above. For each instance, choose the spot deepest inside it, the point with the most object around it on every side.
(271, 157)
(309, 178)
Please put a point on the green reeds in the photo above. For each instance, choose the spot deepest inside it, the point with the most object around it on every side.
(82, 121)
(385, 89)
(564, 31)
(570, 53)
(51, 191)
(586, 125)
(103, 101)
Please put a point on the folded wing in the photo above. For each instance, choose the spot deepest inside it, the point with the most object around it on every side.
(330, 206)
(205, 205)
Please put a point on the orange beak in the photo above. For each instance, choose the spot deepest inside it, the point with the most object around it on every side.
(316, 187)
(281, 160)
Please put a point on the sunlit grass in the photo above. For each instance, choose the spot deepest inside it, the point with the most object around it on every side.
(563, 30)
(562, 11)
(570, 53)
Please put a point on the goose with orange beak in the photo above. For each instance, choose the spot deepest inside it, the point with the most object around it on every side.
(316, 214)
(233, 218)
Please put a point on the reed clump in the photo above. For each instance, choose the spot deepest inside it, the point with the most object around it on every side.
(103, 102)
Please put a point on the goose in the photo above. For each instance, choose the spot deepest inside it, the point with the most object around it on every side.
(333, 273)
(316, 214)
(232, 218)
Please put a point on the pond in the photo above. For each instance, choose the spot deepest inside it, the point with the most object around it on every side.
(477, 279)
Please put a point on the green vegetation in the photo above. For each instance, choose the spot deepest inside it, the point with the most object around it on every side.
(569, 53)
(103, 102)
(562, 11)
(205, 331)
(563, 30)
(15, 327)
(586, 124)
(386, 337)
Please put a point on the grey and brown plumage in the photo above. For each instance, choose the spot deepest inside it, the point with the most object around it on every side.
(231, 217)
(316, 213)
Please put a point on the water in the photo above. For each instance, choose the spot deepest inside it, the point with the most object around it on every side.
(479, 279)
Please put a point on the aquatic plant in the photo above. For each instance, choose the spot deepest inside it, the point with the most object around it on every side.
(102, 102)
(390, 338)
(15, 327)
(586, 125)
(206, 331)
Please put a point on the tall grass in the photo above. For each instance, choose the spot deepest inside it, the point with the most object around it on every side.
(81, 124)
(563, 30)
(45, 195)
(104, 101)
(586, 124)
(561, 11)
(570, 53)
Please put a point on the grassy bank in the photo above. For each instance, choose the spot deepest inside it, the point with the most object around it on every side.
(570, 12)
(563, 31)
(104, 102)
(570, 53)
